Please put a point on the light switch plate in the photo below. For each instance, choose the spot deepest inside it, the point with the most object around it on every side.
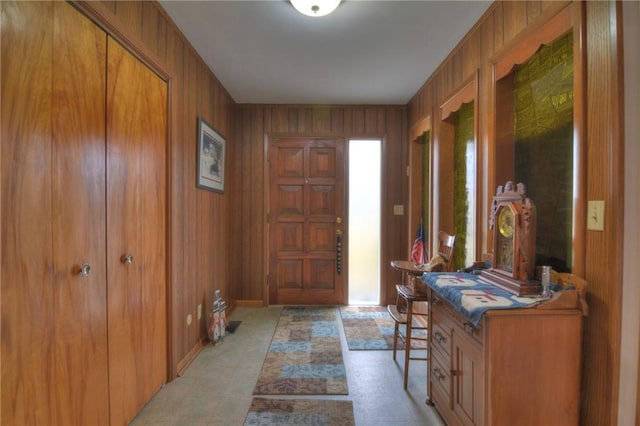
(398, 209)
(595, 215)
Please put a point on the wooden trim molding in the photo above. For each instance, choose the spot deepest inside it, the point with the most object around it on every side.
(466, 94)
(547, 33)
(419, 129)
(106, 20)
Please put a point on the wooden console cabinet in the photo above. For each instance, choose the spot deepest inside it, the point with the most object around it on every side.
(518, 366)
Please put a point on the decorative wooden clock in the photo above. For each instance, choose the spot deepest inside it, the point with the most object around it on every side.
(513, 216)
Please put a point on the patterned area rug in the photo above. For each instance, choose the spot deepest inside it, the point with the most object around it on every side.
(370, 328)
(305, 355)
(267, 412)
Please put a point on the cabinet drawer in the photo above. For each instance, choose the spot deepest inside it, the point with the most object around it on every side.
(441, 376)
(445, 315)
(441, 337)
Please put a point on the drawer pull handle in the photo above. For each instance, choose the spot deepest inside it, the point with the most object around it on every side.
(438, 375)
(468, 327)
(440, 337)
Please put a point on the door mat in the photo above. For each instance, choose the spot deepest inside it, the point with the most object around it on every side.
(305, 355)
(277, 412)
(371, 328)
(232, 326)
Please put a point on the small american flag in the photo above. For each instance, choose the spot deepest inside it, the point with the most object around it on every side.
(417, 251)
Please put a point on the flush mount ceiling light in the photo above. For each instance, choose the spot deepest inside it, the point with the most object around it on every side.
(315, 8)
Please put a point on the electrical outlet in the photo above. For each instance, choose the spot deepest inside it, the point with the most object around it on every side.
(398, 209)
(200, 311)
(595, 215)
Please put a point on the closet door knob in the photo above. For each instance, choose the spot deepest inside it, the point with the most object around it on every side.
(127, 259)
(85, 270)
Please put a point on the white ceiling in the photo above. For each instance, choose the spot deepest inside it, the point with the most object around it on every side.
(365, 52)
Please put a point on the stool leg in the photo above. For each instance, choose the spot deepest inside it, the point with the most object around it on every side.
(407, 342)
(395, 338)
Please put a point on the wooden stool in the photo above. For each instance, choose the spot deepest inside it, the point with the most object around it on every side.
(404, 313)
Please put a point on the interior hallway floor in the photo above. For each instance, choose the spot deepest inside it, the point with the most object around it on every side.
(217, 388)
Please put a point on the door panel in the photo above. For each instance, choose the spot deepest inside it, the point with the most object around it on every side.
(26, 268)
(306, 203)
(136, 216)
(78, 203)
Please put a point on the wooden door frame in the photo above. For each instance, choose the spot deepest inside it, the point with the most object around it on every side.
(106, 20)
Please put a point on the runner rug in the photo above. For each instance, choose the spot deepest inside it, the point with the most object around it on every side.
(277, 412)
(305, 355)
(370, 328)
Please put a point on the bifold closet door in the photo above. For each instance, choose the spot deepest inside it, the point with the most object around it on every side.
(136, 223)
(80, 383)
(54, 318)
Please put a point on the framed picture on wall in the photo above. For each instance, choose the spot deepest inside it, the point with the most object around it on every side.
(210, 157)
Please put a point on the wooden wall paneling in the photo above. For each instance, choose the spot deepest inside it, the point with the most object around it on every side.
(244, 185)
(278, 122)
(255, 121)
(416, 190)
(256, 175)
(305, 119)
(26, 312)
(604, 182)
(150, 26)
(134, 22)
(491, 40)
(534, 8)
(504, 25)
(496, 25)
(357, 120)
(348, 121)
(515, 18)
(321, 117)
(337, 120)
(205, 219)
(456, 66)
(374, 120)
(109, 4)
(194, 226)
(252, 221)
(175, 59)
(129, 13)
(189, 336)
(394, 191)
(472, 53)
(235, 244)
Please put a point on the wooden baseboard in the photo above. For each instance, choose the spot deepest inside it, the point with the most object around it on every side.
(188, 359)
(249, 303)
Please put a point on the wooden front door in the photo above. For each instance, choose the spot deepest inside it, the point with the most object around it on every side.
(306, 221)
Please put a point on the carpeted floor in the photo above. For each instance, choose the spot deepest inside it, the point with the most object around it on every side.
(369, 328)
(276, 412)
(305, 355)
